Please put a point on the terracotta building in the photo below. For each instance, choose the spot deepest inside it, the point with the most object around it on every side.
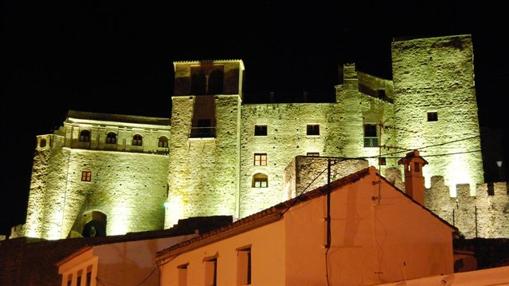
(358, 230)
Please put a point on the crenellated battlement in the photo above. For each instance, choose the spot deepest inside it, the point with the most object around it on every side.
(485, 214)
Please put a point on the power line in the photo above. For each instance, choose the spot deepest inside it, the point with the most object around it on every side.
(418, 148)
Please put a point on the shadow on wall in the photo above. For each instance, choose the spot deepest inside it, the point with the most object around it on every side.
(91, 224)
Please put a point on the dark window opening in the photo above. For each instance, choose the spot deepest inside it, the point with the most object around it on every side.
(203, 128)
(260, 130)
(432, 116)
(370, 135)
(198, 81)
(89, 278)
(382, 161)
(84, 136)
(215, 83)
(42, 143)
(137, 140)
(95, 225)
(163, 142)
(313, 129)
(111, 138)
(260, 181)
(417, 167)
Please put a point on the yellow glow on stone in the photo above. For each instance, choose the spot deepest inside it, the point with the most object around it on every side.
(120, 220)
(174, 211)
(458, 172)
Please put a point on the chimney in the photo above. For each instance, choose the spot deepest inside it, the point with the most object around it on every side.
(414, 180)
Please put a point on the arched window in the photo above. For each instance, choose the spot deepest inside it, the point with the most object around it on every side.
(85, 136)
(163, 142)
(137, 140)
(215, 85)
(42, 144)
(94, 224)
(111, 138)
(260, 181)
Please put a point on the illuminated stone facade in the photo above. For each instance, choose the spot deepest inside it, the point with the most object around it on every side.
(484, 215)
(75, 173)
(227, 157)
(434, 91)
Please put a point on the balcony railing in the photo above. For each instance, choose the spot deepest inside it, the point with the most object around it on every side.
(203, 132)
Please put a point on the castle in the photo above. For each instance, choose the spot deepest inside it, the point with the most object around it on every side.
(219, 156)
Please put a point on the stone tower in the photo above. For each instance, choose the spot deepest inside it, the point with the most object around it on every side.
(434, 92)
(204, 159)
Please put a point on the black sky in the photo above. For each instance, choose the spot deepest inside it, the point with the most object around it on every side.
(115, 56)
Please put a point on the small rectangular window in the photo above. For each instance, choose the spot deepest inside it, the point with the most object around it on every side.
(211, 272)
(313, 154)
(260, 159)
(370, 135)
(86, 176)
(260, 130)
(78, 279)
(416, 167)
(244, 266)
(382, 161)
(182, 274)
(313, 129)
(432, 116)
(69, 280)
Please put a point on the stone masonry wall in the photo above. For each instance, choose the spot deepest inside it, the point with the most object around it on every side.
(485, 215)
(203, 174)
(341, 135)
(130, 188)
(437, 75)
(306, 173)
(286, 138)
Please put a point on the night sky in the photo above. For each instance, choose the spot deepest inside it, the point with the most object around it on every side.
(115, 57)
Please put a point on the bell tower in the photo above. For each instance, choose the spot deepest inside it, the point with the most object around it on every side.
(204, 145)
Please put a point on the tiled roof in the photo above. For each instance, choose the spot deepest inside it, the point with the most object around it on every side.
(27, 261)
(258, 219)
(273, 214)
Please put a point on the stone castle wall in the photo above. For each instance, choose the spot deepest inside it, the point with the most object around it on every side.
(286, 138)
(213, 175)
(128, 187)
(484, 215)
(203, 176)
(307, 173)
(437, 75)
